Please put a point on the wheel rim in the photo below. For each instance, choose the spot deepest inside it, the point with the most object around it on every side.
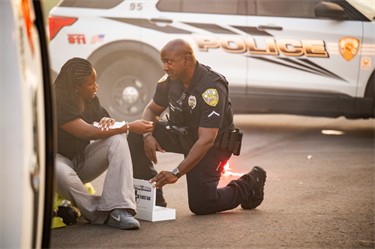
(128, 96)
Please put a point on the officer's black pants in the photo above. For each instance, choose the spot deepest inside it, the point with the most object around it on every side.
(202, 180)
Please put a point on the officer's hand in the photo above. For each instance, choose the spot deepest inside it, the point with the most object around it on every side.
(164, 177)
(105, 123)
(140, 126)
(150, 146)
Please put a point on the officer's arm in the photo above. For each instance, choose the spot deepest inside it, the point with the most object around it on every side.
(152, 112)
(197, 152)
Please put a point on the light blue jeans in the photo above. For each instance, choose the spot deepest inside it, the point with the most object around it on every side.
(118, 192)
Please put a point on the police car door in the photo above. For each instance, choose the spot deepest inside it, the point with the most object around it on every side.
(208, 26)
(293, 54)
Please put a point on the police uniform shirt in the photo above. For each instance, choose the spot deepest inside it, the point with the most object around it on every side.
(205, 108)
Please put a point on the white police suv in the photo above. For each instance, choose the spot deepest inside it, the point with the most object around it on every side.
(307, 57)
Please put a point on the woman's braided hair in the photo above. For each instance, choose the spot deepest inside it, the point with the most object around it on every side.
(72, 74)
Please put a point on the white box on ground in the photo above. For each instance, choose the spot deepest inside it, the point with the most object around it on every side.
(145, 196)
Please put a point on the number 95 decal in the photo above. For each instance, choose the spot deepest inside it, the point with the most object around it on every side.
(134, 6)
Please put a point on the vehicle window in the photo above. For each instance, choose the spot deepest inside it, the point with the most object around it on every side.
(226, 7)
(283, 8)
(169, 5)
(210, 6)
(366, 7)
(107, 4)
(251, 7)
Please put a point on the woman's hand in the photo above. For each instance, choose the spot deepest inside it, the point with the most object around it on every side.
(105, 123)
(140, 126)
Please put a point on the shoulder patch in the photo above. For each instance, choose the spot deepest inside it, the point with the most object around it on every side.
(164, 78)
(211, 97)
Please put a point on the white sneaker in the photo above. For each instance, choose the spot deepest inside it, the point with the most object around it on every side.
(122, 219)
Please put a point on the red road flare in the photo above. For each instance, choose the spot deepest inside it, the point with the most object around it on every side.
(227, 171)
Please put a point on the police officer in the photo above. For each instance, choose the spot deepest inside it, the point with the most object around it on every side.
(200, 118)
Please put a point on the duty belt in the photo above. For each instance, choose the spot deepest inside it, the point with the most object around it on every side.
(230, 141)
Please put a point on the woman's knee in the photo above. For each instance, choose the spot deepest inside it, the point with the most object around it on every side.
(116, 141)
(64, 174)
(116, 138)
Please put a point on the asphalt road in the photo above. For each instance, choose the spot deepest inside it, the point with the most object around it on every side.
(326, 201)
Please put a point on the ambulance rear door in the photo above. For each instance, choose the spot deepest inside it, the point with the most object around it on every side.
(27, 141)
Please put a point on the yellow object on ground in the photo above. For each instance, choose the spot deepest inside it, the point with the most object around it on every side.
(57, 221)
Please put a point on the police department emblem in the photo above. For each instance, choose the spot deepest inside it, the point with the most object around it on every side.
(164, 78)
(192, 101)
(211, 97)
(348, 47)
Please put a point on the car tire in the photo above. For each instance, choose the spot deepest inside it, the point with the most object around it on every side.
(127, 84)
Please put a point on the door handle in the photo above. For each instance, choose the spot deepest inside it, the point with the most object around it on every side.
(161, 20)
(263, 27)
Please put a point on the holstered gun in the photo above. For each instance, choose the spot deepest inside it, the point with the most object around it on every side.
(180, 134)
(183, 136)
(171, 136)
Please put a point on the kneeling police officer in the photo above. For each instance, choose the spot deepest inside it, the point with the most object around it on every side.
(200, 127)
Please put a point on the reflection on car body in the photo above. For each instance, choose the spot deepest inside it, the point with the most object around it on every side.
(308, 57)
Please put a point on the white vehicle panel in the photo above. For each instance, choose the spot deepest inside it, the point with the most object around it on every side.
(367, 57)
(309, 58)
(297, 74)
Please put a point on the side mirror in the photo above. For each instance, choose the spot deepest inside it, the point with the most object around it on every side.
(330, 11)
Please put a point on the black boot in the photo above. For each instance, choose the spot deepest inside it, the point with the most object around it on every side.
(257, 177)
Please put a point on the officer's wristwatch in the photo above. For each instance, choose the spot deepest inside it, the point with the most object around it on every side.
(176, 172)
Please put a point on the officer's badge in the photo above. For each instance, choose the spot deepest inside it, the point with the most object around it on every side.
(211, 97)
(348, 47)
(164, 78)
(192, 101)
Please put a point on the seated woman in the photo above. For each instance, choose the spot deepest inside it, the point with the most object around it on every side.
(78, 161)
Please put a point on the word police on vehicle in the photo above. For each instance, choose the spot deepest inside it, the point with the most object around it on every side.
(289, 47)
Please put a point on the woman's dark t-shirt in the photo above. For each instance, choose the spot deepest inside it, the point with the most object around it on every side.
(68, 144)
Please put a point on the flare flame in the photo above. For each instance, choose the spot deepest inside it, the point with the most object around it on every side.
(227, 171)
